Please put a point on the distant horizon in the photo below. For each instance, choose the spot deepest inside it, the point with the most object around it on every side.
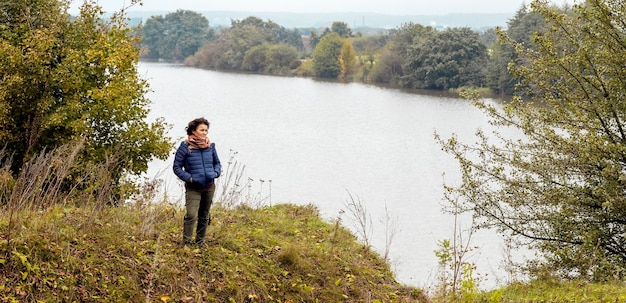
(389, 7)
(355, 20)
(315, 13)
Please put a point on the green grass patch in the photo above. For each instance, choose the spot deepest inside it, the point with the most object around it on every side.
(557, 292)
(283, 253)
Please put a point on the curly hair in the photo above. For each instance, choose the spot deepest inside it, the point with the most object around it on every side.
(193, 125)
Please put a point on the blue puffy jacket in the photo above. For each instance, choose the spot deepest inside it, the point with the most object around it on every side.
(201, 166)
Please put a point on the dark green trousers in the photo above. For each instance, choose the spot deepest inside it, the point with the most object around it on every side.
(198, 205)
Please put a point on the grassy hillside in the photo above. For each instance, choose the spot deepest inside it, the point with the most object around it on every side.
(284, 253)
(557, 292)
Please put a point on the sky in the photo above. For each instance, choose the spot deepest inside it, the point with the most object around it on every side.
(392, 7)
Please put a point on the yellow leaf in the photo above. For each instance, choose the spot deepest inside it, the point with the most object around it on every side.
(165, 298)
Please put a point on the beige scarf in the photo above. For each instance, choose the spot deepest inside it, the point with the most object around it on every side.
(198, 143)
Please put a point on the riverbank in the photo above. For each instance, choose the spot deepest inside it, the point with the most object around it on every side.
(284, 253)
(305, 70)
(132, 253)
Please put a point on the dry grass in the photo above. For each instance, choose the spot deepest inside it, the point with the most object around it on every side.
(283, 253)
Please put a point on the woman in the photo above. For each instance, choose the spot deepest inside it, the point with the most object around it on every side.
(197, 164)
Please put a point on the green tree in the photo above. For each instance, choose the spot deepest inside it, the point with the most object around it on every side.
(342, 29)
(177, 36)
(561, 183)
(152, 37)
(255, 58)
(229, 49)
(64, 79)
(388, 68)
(291, 38)
(449, 59)
(370, 45)
(521, 29)
(402, 40)
(326, 56)
(314, 39)
(489, 36)
(237, 40)
(281, 57)
(270, 58)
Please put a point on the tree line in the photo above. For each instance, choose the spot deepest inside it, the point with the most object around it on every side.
(410, 56)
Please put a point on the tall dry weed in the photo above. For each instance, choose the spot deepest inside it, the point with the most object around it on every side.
(48, 179)
(238, 189)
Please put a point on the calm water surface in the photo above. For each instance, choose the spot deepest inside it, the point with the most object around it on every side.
(319, 141)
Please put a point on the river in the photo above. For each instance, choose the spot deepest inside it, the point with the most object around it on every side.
(320, 142)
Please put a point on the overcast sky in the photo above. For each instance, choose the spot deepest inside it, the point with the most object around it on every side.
(394, 7)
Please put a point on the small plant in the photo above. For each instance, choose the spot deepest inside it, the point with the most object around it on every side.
(456, 276)
(361, 220)
(336, 228)
(444, 257)
(391, 228)
(289, 256)
(469, 289)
